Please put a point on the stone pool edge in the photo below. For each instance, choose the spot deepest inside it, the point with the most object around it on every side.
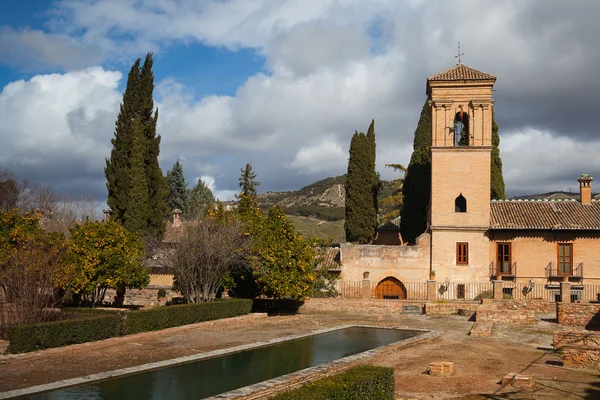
(172, 362)
(282, 383)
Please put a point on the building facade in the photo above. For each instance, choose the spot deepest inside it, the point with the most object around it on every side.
(470, 238)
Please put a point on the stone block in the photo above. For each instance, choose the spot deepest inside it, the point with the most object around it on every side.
(440, 368)
(518, 381)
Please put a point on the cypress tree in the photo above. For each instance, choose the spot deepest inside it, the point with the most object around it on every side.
(178, 191)
(199, 199)
(157, 185)
(497, 180)
(137, 208)
(376, 181)
(416, 190)
(359, 191)
(118, 165)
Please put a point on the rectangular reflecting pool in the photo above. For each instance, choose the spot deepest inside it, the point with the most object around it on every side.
(211, 376)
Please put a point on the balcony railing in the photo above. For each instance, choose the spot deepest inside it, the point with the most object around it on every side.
(574, 271)
(505, 269)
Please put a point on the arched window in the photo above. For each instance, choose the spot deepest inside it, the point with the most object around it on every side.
(460, 204)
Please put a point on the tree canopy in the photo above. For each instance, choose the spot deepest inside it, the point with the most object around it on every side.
(178, 191)
(137, 105)
(361, 189)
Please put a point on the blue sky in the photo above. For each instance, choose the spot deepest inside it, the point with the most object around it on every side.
(284, 84)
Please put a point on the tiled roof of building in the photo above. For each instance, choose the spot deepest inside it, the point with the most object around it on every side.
(461, 72)
(390, 226)
(545, 215)
(330, 259)
(174, 233)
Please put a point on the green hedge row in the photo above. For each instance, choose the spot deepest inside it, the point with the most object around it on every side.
(26, 338)
(359, 383)
(184, 314)
(89, 327)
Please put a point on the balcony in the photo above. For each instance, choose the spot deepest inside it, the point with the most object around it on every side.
(572, 272)
(505, 270)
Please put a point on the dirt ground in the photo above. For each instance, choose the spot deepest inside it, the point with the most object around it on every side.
(479, 363)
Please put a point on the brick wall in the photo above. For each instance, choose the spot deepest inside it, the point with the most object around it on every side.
(491, 313)
(579, 314)
(449, 308)
(539, 306)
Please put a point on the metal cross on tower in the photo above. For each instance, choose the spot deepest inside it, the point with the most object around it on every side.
(459, 54)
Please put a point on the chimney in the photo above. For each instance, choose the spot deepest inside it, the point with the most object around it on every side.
(107, 212)
(177, 217)
(585, 188)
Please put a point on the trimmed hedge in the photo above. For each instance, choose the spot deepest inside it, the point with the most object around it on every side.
(184, 314)
(104, 324)
(26, 338)
(358, 383)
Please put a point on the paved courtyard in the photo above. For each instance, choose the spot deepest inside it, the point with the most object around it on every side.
(479, 363)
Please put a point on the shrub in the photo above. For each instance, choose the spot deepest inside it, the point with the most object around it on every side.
(362, 382)
(171, 316)
(26, 338)
(161, 293)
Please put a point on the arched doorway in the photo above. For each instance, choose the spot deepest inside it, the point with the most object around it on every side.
(390, 288)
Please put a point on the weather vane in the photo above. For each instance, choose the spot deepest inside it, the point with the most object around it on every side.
(459, 54)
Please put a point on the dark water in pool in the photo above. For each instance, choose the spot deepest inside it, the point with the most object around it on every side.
(212, 376)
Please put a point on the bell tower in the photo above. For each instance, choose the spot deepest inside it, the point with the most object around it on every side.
(461, 143)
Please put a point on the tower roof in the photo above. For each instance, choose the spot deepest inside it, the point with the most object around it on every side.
(461, 72)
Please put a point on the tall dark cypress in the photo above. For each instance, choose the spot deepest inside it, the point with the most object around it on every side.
(157, 184)
(375, 176)
(118, 165)
(497, 180)
(359, 191)
(416, 190)
(137, 208)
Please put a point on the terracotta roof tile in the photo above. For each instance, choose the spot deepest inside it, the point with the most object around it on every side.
(461, 72)
(545, 215)
(329, 258)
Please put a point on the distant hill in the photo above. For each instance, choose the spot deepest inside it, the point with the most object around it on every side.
(558, 195)
(324, 199)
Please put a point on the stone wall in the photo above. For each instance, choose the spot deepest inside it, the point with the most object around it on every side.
(491, 313)
(449, 308)
(147, 297)
(405, 263)
(354, 305)
(580, 348)
(579, 314)
(539, 306)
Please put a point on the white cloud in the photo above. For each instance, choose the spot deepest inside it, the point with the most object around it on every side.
(326, 156)
(222, 195)
(34, 50)
(58, 127)
(334, 65)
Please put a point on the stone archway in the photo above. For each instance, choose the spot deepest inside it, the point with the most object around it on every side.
(390, 288)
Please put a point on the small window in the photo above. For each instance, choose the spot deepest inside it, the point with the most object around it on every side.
(462, 253)
(460, 204)
(460, 291)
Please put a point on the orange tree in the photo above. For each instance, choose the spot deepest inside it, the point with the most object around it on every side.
(29, 258)
(283, 263)
(102, 256)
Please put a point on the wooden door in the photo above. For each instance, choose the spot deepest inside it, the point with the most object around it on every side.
(504, 258)
(390, 289)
